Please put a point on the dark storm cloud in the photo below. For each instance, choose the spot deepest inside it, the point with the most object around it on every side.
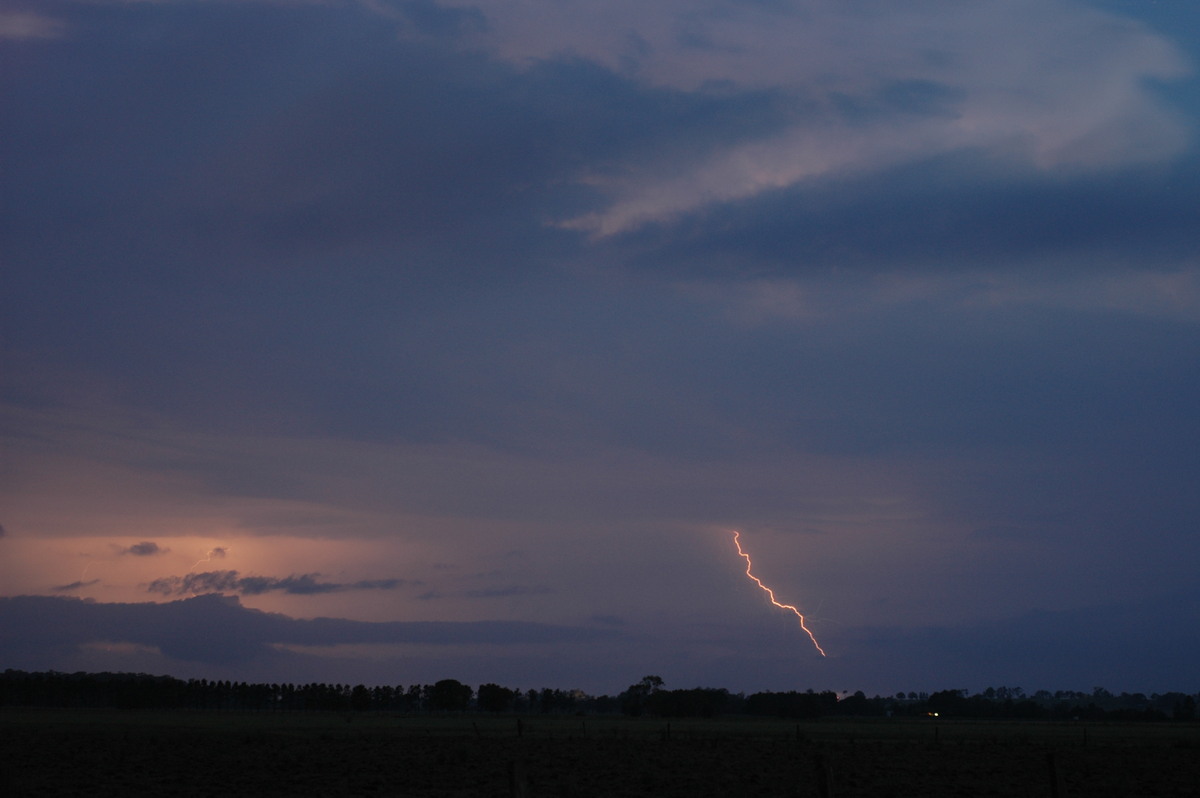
(219, 630)
(233, 582)
(943, 215)
(402, 148)
(146, 548)
(321, 133)
(256, 131)
(430, 18)
(428, 173)
(78, 585)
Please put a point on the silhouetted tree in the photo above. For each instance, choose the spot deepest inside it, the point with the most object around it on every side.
(699, 702)
(494, 698)
(793, 704)
(634, 701)
(950, 702)
(450, 695)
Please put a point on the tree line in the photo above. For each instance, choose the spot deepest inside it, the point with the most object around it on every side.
(648, 697)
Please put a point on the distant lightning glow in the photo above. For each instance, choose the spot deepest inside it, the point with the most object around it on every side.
(771, 593)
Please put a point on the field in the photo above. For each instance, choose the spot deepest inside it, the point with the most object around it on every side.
(104, 752)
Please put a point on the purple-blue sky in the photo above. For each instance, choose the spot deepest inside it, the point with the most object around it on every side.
(473, 329)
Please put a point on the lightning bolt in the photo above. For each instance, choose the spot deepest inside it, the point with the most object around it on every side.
(218, 552)
(737, 542)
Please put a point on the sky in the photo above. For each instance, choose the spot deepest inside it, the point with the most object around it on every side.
(389, 341)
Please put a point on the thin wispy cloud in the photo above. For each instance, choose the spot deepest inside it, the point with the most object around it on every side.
(508, 591)
(233, 582)
(18, 24)
(76, 585)
(146, 548)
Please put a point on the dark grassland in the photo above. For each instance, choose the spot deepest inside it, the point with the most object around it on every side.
(49, 752)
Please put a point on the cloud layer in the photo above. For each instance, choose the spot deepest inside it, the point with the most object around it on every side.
(219, 630)
(532, 303)
(856, 91)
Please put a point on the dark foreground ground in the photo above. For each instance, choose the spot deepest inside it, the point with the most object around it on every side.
(65, 752)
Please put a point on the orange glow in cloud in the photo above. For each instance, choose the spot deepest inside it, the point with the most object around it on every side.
(771, 593)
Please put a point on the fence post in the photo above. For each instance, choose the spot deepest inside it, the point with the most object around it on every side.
(1056, 782)
(518, 781)
(824, 777)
